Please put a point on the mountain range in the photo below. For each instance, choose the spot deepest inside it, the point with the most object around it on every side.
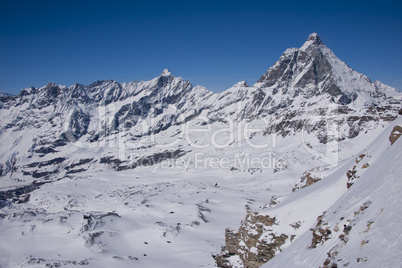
(112, 173)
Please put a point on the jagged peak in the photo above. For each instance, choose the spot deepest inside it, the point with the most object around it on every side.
(166, 72)
(102, 82)
(199, 87)
(76, 85)
(313, 39)
(241, 84)
(50, 85)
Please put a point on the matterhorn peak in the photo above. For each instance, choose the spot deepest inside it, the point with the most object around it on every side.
(313, 39)
(166, 72)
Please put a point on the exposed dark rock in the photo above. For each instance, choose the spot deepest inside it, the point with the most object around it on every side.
(150, 160)
(352, 174)
(90, 239)
(54, 263)
(111, 161)
(306, 180)
(251, 235)
(296, 225)
(20, 194)
(45, 150)
(95, 220)
(39, 174)
(55, 161)
(395, 134)
(79, 163)
(76, 171)
(321, 232)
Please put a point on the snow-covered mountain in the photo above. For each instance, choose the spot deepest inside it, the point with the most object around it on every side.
(102, 163)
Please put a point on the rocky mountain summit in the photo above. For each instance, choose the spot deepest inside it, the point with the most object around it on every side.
(306, 117)
(314, 70)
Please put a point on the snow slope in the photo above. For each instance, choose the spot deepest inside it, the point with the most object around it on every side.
(371, 207)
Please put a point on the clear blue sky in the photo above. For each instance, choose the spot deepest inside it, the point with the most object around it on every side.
(211, 43)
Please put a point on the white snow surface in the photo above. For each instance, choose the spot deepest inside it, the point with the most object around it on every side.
(177, 216)
(375, 238)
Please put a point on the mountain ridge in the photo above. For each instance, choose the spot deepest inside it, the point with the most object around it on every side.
(302, 82)
(313, 40)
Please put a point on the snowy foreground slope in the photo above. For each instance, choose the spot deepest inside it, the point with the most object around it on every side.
(163, 174)
(363, 225)
(362, 228)
(349, 217)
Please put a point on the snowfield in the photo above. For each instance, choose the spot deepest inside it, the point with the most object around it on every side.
(171, 218)
(176, 218)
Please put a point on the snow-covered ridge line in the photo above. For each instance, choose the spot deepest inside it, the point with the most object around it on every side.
(303, 83)
(346, 78)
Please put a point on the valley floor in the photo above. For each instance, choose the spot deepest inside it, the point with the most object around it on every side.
(131, 218)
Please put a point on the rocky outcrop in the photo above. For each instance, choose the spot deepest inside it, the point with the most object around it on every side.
(18, 195)
(357, 169)
(253, 242)
(395, 134)
(323, 231)
(144, 161)
(306, 180)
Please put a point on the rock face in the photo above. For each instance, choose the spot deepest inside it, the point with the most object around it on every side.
(253, 242)
(395, 134)
(306, 180)
(314, 70)
(307, 70)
